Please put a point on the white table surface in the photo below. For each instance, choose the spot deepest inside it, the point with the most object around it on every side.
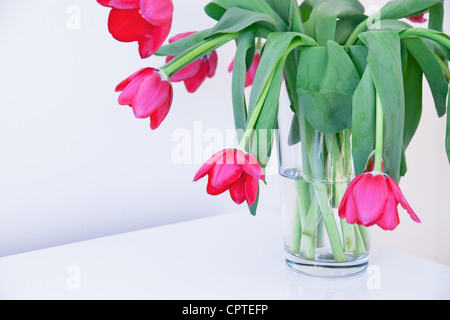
(229, 257)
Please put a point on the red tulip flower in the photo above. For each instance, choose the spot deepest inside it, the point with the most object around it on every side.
(146, 21)
(198, 71)
(251, 73)
(372, 199)
(235, 171)
(149, 92)
(418, 19)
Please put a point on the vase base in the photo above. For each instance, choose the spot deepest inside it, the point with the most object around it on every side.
(323, 268)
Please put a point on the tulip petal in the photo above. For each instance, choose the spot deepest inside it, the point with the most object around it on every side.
(251, 189)
(128, 25)
(157, 12)
(121, 86)
(212, 60)
(224, 175)
(227, 171)
(188, 72)
(230, 67)
(251, 73)
(253, 168)
(395, 189)
(151, 94)
(213, 190)
(347, 208)
(389, 220)
(129, 93)
(120, 4)
(418, 19)
(237, 191)
(155, 40)
(343, 205)
(195, 82)
(370, 195)
(157, 117)
(204, 170)
(350, 212)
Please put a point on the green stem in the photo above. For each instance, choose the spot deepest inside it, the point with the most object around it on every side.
(304, 196)
(443, 66)
(365, 234)
(302, 205)
(311, 221)
(260, 103)
(258, 44)
(378, 167)
(330, 222)
(196, 52)
(296, 230)
(360, 247)
(256, 113)
(426, 33)
(340, 167)
(320, 237)
(356, 32)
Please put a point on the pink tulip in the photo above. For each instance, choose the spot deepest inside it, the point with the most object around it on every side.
(251, 73)
(149, 93)
(198, 71)
(146, 21)
(372, 199)
(418, 19)
(235, 171)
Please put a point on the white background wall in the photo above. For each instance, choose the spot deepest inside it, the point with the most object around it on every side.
(75, 165)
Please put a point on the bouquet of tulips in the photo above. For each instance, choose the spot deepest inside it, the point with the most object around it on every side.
(352, 77)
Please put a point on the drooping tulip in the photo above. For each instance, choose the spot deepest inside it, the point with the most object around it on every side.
(235, 171)
(251, 72)
(418, 19)
(196, 72)
(146, 21)
(372, 199)
(150, 94)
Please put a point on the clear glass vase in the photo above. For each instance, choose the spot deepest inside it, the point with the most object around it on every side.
(315, 170)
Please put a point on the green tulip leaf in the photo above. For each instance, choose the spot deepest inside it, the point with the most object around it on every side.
(261, 141)
(323, 20)
(437, 17)
(306, 10)
(237, 19)
(385, 63)
(447, 138)
(275, 49)
(327, 80)
(358, 54)
(215, 11)
(400, 9)
(363, 122)
(178, 47)
(217, 8)
(413, 83)
(390, 24)
(245, 45)
(281, 7)
(295, 18)
(294, 132)
(432, 70)
(345, 27)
